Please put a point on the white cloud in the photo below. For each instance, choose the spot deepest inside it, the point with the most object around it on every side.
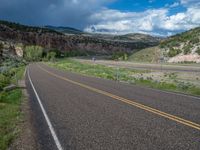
(175, 4)
(189, 1)
(153, 21)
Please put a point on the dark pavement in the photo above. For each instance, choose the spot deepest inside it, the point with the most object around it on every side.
(88, 119)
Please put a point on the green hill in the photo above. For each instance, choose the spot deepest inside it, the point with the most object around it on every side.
(26, 28)
(151, 54)
(65, 30)
(183, 44)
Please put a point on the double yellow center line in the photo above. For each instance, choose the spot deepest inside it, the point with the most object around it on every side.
(130, 102)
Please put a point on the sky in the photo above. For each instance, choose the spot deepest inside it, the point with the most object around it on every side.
(155, 17)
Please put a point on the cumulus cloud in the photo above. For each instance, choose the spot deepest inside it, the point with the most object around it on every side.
(189, 2)
(153, 21)
(93, 16)
(175, 4)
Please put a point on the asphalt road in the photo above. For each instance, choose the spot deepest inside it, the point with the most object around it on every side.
(145, 66)
(92, 113)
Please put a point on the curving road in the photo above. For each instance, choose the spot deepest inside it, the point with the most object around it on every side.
(71, 111)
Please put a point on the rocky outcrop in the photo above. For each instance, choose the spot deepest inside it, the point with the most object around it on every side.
(195, 58)
(51, 39)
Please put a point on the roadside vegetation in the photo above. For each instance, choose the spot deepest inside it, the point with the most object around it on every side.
(10, 72)
(137, 77)
(120, 56)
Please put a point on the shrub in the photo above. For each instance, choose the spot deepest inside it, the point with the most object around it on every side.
(174, 44)
(51, 56)
(194, 40)
(1, 49)
(173, 52)
(74, 53)
(3, 81)
(187, 49)
(198, 51)
(33, 53)
(57, 52)
(119, 56)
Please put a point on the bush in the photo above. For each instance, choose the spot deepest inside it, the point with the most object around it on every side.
(119, 56)
(187, 49)
(51, 56)
(194, 40)
(74, 53)
(33, 53)
(4, 81)
(57, 52)
(1, 50)
(173, 52)
(198, 51)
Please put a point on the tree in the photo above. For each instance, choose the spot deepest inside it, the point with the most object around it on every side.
(1, 50)
(33, 53)
(51, 56)
(198, 51)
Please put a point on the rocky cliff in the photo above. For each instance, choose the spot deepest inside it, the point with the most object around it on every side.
(52, 39)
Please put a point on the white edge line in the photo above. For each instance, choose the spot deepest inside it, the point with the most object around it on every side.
(53, 133)
(25, 71)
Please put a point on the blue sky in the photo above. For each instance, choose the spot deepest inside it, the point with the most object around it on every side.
(138, 5)
(155, 17)
(142, 5)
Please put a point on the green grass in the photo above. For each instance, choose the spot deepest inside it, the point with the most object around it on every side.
(151, 54)
(126, 75)
(19, 74)
(95, 69)
(10, 111)
(9, 116)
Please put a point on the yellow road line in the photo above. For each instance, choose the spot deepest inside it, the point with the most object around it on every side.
(130, 102)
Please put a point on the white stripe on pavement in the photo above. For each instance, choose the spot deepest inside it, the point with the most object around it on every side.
(53, 133)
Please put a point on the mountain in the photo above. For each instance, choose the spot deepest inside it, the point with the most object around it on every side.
(24, 28)
(184, 43)
(182, 47)
(134, 37)
(65, 30)
(50, 38)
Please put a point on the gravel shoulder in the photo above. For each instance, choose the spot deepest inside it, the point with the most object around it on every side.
(27, 139)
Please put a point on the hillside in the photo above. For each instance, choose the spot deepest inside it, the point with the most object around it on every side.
(151, 54)
(65, 30)
(183, 47)
(134, 37)
(51, 39)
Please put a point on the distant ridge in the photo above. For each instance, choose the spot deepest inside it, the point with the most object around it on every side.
(69, 39)
(182, 47)
(65, 30)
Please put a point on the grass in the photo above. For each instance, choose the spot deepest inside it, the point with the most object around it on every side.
(10, 112)
(9, 116)
(95, 69)
(126, 75)
(146, 55)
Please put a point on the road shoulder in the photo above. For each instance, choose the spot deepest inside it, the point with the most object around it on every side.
(27, 138)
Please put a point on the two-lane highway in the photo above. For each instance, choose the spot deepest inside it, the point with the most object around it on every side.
(78, 112)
